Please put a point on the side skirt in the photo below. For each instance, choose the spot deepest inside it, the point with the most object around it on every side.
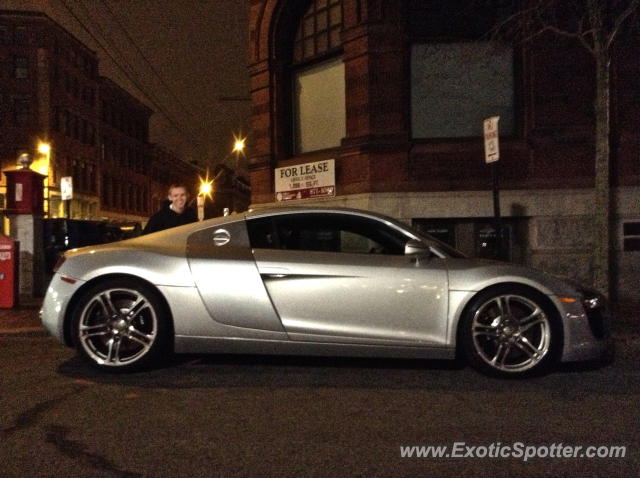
(184, 344)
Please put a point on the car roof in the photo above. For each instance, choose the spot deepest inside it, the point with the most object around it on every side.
(280, 210)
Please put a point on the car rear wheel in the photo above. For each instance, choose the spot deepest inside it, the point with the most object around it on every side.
(121, 325)
(511, 332)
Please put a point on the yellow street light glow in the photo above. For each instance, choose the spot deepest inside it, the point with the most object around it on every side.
(44, 148)
(206, 186)
(238, 144)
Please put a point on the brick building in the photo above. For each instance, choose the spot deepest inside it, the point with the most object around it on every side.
(51, 92)
(395, 92)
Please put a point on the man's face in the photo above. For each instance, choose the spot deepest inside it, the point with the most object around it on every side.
(178, 198)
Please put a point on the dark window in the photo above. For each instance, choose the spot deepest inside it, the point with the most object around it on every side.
(319, 31)
(631, 236)
(67, 123)
(55, 124)
(21, 37)
(21, 67)
(326, 233)
(631, 228)
(459, 77)
(21, 110)
(4, 35)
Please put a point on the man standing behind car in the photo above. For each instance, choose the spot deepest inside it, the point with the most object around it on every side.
(174, 211)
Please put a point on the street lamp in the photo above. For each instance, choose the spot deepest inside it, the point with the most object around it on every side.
(206, 189)
(238, 148)
(44, 148)
(238, 144)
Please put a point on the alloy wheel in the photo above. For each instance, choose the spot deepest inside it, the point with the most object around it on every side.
(117, 327)
(511, 333)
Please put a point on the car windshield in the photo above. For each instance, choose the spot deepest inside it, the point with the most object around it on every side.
(442, 247)
(445, 248)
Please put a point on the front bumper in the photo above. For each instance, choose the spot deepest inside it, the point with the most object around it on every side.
(587, 329)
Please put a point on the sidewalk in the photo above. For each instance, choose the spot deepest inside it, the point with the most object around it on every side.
(24, 319)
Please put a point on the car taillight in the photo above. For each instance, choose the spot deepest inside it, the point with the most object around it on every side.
(59, 262)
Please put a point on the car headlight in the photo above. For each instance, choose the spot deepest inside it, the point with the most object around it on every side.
(591, 303)
(595, 307)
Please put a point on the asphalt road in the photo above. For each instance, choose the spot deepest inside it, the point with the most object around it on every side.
(230, 416)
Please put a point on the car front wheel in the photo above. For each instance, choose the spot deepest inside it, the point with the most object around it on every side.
(511, 332)
(120, 325)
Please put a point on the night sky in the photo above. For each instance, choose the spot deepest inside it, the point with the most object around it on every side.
(189, 57)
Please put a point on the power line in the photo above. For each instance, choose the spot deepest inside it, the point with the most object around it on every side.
(144, 57)
(160, 108)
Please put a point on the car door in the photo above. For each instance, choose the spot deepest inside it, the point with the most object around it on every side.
(227, 278)
(343, 278)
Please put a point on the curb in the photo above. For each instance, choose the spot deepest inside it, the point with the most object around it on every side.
(24, 332)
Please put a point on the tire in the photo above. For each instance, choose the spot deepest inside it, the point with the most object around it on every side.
(121, 325)
(511, 331)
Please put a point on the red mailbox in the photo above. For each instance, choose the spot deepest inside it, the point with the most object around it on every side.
(9, 251)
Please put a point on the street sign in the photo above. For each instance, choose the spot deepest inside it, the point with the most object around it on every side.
(66, 188)
(491, 145)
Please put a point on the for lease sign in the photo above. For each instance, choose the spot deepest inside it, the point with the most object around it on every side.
(306, 181)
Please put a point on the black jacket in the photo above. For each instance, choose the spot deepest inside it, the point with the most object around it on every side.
(165, 218)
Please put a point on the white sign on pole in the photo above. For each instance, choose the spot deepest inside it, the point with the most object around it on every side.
(306, 181)
(491, 145)
(66, 187)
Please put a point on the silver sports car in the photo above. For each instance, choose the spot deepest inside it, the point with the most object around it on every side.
(318, 281)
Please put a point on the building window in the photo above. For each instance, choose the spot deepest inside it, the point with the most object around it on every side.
(320, 106)
(631, 236)
(21, 110)
(455, 86)
(21, 67)
(4, 35)
(318, 78)
(21, 37)
(55, 123)
(319, 31)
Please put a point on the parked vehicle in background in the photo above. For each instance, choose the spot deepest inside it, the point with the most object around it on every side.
(61, 234)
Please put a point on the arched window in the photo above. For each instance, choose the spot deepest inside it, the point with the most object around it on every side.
(318, 78)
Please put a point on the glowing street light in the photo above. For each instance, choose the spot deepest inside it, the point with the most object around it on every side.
(206, 189)
(44, 148)
(238, 144)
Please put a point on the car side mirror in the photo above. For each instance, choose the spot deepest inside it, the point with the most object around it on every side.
(413, 247)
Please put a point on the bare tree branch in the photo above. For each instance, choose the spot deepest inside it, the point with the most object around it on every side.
(620, 19)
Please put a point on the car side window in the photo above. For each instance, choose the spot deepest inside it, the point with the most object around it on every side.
(262, 233)
(327, 233)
